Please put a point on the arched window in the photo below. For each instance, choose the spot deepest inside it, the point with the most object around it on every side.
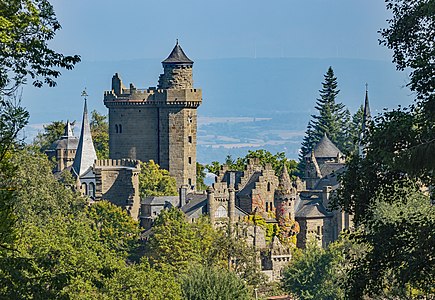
(91, 192)
(84, 188)
(120, 128)
(116, 128)
(268, 186)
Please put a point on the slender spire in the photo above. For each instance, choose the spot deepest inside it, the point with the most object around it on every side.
(366, 115)
(365, 123)
(85, 155)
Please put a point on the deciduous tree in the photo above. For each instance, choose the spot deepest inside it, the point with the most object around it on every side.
(154, 181)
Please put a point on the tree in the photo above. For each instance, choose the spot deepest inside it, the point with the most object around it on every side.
(276, 160)
(313, 273)
(26, 27)
(154, 181)
(410, 35)
(332, 119)
(52, 132)
(200, 177)
(399, 239)
(100, 134)
(140, 281)
(204, 283)
(117, 230)
(175, 244)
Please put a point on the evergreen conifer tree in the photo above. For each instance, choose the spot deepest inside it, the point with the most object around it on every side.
(332, 119)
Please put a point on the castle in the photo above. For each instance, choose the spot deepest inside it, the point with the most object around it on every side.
(160, 124)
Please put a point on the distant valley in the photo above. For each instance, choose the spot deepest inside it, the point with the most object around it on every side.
(247, 103)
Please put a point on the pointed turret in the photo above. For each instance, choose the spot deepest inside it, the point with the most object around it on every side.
(68, 130)
(365, 124)
(177, 70)
(85, 155)
(285, 184)
(177, 56)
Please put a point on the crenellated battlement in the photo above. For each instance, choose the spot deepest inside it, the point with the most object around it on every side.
(154, 97)
(130, 163)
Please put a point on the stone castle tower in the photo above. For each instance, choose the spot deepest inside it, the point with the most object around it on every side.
(158, 123)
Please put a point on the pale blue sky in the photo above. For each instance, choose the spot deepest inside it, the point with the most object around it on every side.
(132, 29)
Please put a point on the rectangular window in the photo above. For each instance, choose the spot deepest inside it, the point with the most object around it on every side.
(190, 160)
(189, 138)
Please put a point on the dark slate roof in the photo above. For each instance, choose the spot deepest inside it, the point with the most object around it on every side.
(247, 189)
(161, 200)
(177, 56)
(196, 202)
(312, 209)
(325, 148)
(68, 143)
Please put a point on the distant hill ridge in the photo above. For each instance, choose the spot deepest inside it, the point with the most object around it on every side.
(258, 87)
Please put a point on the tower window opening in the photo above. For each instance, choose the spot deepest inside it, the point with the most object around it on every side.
(116, 128)
(120, 128)
(190, 160)
(189, 139)
(268, 186)
(91, 192)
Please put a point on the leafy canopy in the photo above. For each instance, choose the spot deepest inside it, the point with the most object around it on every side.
(154, 181)
(26, 27)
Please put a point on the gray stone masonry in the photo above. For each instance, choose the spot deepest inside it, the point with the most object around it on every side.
(157, 124)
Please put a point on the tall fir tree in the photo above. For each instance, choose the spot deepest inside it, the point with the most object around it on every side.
(332, 118)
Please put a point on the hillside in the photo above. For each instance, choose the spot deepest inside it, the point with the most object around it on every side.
(282, 90)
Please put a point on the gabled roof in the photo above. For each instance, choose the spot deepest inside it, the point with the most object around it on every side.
(85, 155)
(177, 56)
(312, 209)
(325, 149)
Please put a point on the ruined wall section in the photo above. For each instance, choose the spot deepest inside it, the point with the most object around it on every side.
(118, 182)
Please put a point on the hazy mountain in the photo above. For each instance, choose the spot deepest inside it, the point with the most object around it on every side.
(281, 89)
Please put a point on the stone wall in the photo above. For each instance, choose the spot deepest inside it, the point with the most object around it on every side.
(118, 182)
(318, 229)
(176, 77)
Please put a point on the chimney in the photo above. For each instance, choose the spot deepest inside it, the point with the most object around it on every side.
(211, 205)
(182, 195)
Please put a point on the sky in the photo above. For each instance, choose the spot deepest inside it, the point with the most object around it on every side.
(114, 35)
(102, 30)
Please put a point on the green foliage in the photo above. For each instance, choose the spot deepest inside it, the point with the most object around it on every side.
(154, 181)
(52, 132)
(137, 282)
(200, 177)
(26, 27)
(117, 230)
(316, 273)
(410, 35)
(399, 238)
(176, 245)
(100, 134)
(65, 249)
(332, 119)
(276, 160)
(205, 283)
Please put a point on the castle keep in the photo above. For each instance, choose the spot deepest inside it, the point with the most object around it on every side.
(158, 123)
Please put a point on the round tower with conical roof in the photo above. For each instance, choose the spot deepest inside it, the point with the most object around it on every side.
(177, 71)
